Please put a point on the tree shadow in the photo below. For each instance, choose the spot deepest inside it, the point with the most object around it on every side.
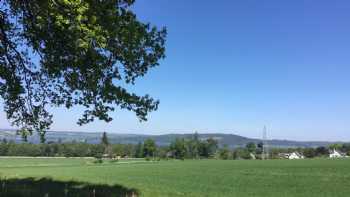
(47, 187)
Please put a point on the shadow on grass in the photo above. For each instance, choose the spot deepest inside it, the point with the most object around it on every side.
(46, 187)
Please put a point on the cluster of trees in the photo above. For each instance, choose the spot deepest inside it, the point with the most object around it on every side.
(180, 148)
(72, 149)
(192, 148)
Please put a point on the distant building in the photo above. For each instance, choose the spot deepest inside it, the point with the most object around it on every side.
(336, 154)
(283, 155)
(293, 155)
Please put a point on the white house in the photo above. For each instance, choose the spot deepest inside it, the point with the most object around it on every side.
(335, 154)
(295, 155)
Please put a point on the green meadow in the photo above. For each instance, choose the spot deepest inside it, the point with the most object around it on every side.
(270, 178)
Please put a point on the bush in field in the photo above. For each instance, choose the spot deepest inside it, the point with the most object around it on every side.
(251, 147)
(98, 151)
(241, 153)
(98, 161)
(309, 152)
(321, 151)
(224, 153)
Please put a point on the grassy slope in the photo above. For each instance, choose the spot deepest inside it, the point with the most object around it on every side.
(275, 178)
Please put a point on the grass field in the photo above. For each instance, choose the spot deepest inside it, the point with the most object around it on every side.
(273, 178)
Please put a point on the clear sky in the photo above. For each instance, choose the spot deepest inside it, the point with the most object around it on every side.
(235, 66)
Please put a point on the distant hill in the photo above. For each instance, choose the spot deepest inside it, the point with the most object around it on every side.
(229, 139)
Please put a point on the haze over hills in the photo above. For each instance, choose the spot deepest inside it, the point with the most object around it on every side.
(231, 140)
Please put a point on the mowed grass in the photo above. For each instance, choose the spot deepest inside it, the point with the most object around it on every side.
(273, 178)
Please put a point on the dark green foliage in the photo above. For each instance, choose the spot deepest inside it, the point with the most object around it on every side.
(309, 152)
(259, 148)
(129, 150)
(62, 150)
(251, 147)
(321, 151)
(335, 146)
(212, 146)
(4, 146)
(241, 153)
(224, 153)
(345, 148)
(98, 160)
(24, 149)
(193, 148)
(139, 150)
(97, 151)
(79, 149)
(178, 148)
(68, 53)
(207, 148)
(119, 149)
(162, 152)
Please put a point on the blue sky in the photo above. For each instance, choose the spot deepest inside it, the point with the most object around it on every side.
(235, 66)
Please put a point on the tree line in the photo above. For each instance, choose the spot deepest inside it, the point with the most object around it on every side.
(180, 148)
(71, 149)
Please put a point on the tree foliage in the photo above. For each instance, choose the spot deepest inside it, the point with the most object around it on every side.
(178, 148)
(66, 53)
(224, 153)
(149, 148)
(139, 150)
(251, 147)
(193, 148)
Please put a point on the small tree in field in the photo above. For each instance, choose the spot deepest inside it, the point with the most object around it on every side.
(149, 148)
(139, 150)
(178, 147)
(251, 147)
(224, 153)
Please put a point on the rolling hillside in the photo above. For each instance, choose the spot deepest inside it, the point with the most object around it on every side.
(231, 140)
